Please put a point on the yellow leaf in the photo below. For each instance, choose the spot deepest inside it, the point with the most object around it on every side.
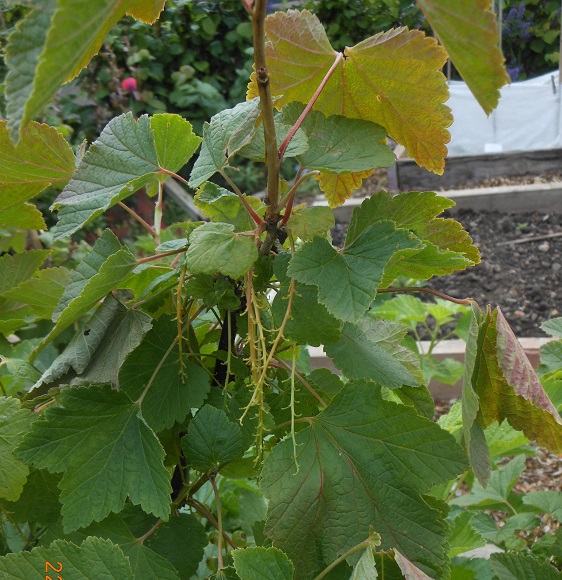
(392, 79)
(146, 10)
(340, 186)
(469, 32)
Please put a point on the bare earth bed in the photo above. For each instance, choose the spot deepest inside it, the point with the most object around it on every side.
(524, 279)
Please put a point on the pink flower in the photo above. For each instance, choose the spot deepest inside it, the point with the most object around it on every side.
(129, 84)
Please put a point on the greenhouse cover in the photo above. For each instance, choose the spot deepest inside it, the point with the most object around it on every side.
(528, 118)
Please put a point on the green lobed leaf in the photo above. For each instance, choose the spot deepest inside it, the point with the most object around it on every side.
(347, 280)
(221, 205)
(106, 452)
(548, 502)
(504, 440)
(39, 500)
(522, 567)
(255, 149)
(463, 536)
(169, 541)
(212, 439)
(174, 139)
(18, 268)
(127, 156)
(223, 137)
(145, 562)
(551, 357)
(448, 370)
(215, 247)
(42, 291)
(469, 32)
(371, 350)
(508, 534)
(499, 486)
(447, 246)
(365, 568)
(366, 83)
(549, 546)
(404, 308)
(102, 270)
(172, 390)
(338, 144)
(23, 51)
(307, 222)
(14, 424)
(363, 462)
(51, 49)
(309, 322)
(417, 397)
(24, 215)
(77, 562)
(553, 327)
(262, 564)
(508, 387)
(17, 375)
(245, 501)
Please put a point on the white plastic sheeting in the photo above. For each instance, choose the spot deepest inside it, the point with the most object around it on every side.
(528, 118)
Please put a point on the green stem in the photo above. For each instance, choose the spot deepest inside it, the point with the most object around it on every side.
(240, 195)
(290, 197)
(174, 175)
(219, 518)
(262, 79)
(361, 546)
(511, 507)
(166, 355)
(466, 301)
(158, 210)
(209, 517)
(156, 371)
(143, 223)
(456, 486)
(304, 382)
(158, 256)
(293, 436)
(164, 290)
(150, 532)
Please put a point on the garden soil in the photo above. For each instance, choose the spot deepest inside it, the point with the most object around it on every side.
(524, 278)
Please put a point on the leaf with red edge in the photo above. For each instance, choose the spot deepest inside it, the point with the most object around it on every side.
(508, 387)
(469, 32)
(406, 99)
